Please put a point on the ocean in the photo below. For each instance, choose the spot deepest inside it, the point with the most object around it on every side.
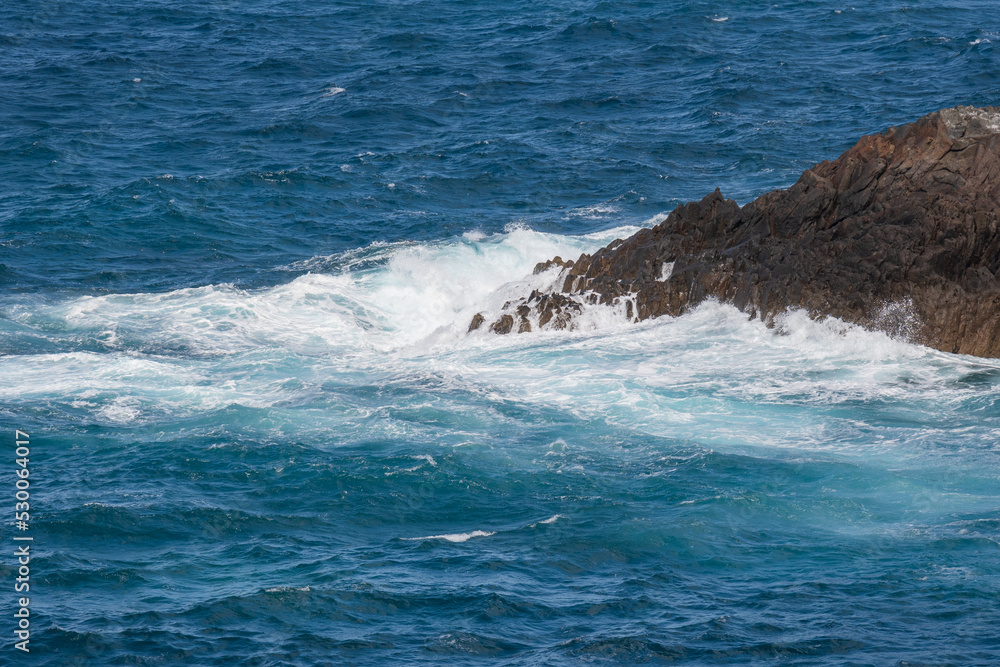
(240, 248)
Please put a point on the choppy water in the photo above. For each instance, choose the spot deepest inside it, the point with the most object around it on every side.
(241, 244)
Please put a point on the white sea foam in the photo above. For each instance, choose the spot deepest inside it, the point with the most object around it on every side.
(333, 90)
(386, 298)
(666, 271)
(421, 457)
(121, 410)
(594, 212)
(454, 537)
(398, 314)
(602, 209)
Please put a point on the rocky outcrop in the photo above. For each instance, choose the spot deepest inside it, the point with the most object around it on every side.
(900, 233)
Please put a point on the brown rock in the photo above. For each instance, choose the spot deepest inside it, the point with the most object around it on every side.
(548, 264)
(901, 233)
(477, 321)
(503, 325)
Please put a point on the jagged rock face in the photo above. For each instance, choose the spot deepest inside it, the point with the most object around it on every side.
(901, 231)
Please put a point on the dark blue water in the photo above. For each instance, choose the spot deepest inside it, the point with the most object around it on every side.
(240, 245)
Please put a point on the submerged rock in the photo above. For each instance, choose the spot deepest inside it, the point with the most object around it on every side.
(900, 234)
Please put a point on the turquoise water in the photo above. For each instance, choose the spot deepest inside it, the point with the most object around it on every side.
(241, 246)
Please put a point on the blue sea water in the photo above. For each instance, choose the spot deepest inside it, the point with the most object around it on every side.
(241, 243)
